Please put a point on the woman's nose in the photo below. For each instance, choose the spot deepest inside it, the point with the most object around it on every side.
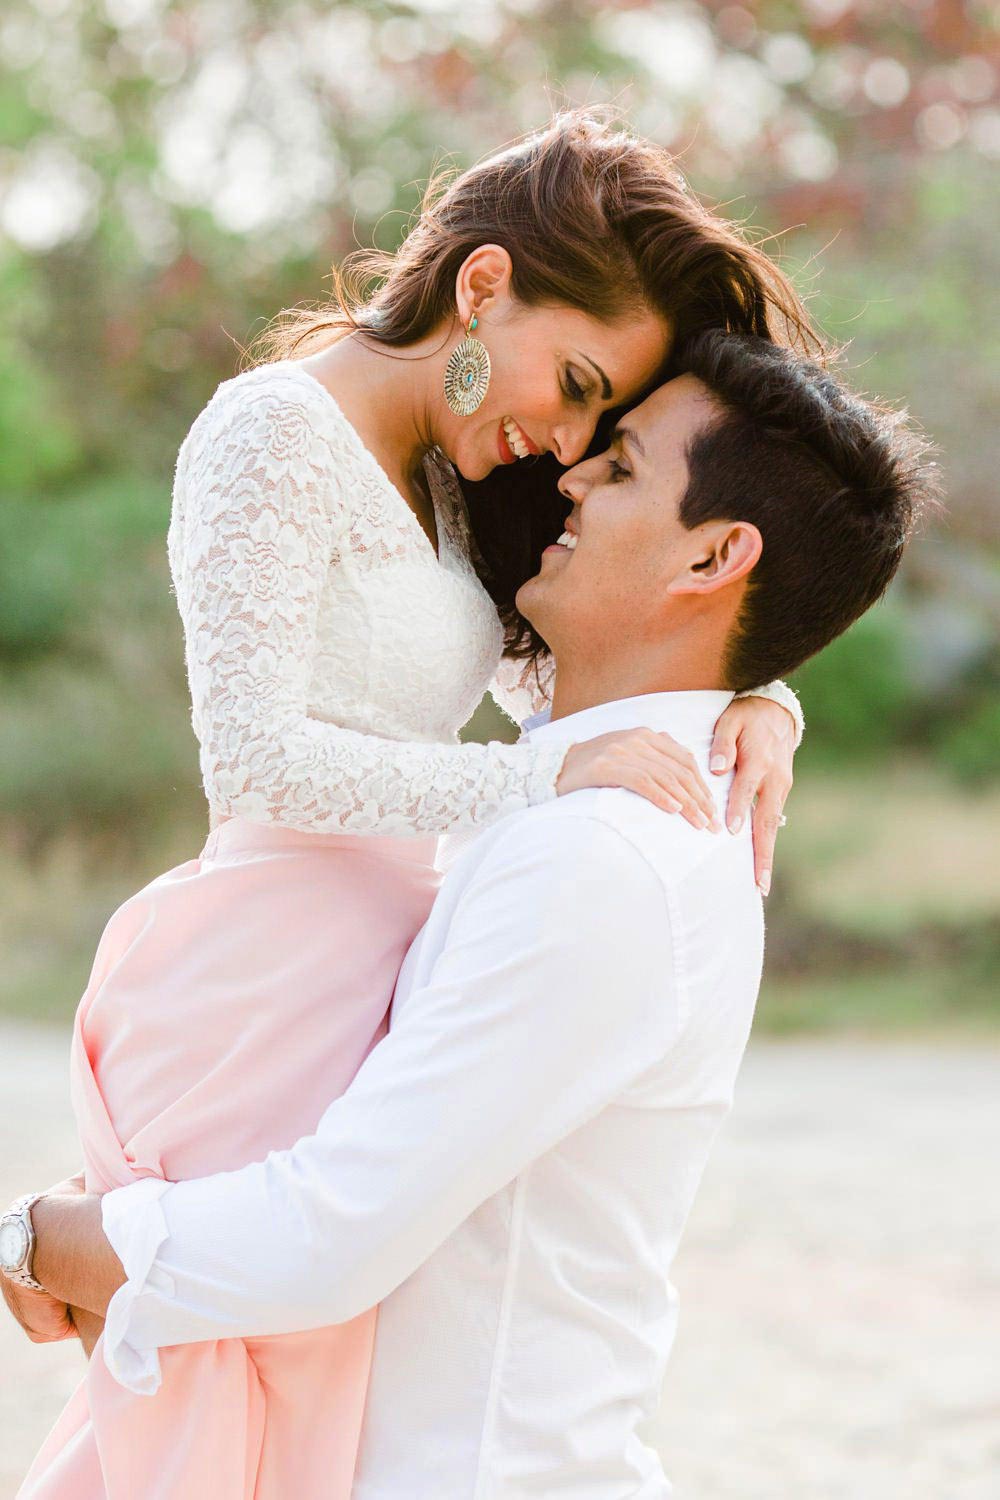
(571, 443)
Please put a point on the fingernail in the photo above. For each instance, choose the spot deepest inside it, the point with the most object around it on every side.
(718, 763)
(765, 882)
(735, 825)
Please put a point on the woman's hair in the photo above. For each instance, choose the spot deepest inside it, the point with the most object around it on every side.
(593, 218)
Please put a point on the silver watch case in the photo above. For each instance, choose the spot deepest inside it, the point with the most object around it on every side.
(17, 1242)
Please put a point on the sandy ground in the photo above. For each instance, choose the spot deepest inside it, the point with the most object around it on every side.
(839, 1279)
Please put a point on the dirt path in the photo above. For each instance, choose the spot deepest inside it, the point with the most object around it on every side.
(839, 1279)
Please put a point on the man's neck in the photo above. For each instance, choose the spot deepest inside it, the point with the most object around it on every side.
(585, 684)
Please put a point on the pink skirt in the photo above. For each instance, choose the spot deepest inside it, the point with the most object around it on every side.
(230, 1001)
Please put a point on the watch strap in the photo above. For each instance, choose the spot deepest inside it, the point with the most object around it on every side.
(21, 1209)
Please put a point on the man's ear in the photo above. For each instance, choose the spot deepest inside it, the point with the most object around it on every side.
(728, 551)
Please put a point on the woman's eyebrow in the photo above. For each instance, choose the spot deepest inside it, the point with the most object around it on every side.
(606, 391)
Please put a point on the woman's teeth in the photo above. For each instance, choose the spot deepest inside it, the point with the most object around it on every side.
(568, 540)
(515, 438)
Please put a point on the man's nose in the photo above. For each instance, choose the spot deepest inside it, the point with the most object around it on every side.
(573, 484)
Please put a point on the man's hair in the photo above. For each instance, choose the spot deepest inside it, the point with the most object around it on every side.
(834, 483)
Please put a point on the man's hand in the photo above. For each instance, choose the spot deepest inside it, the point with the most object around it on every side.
(44, 1319)
(89, 1326)
(73, 1258)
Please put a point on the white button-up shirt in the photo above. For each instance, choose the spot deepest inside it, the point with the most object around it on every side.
(511, 1169)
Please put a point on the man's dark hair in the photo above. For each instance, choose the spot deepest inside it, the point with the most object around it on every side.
(834, 483)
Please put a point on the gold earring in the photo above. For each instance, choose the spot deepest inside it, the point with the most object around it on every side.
(467, 374)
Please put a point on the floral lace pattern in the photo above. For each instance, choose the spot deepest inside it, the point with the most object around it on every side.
(332, 654)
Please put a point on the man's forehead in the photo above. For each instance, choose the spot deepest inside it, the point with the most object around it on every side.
(672, 414)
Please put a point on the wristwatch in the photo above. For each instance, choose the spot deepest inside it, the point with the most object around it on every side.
(17, 1242)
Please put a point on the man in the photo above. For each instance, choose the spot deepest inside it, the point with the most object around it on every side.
(510, 1172)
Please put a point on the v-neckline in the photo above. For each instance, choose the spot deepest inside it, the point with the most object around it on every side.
(439, 524)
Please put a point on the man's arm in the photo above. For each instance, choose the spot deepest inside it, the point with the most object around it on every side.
(552, 995)
(47, 1319)
(73, 1259)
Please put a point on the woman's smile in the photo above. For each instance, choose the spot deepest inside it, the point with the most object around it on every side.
(513, 442)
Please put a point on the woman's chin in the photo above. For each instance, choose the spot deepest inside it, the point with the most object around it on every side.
(471, 466)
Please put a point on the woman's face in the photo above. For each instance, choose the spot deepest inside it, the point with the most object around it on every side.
(554, 371)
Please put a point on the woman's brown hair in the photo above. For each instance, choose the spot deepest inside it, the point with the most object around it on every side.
(593, 218)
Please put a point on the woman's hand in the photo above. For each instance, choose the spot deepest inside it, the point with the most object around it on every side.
(758, 737)
(654, 765)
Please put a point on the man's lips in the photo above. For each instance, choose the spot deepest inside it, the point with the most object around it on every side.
(567, 542)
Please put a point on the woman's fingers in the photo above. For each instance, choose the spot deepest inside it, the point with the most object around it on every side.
(766, 823)
(685, 788)
(722, 756)
(681, 763)
(767, 819)
(746, 784)
(642, 761)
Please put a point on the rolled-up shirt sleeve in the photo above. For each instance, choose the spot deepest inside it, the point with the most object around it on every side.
(553, 993)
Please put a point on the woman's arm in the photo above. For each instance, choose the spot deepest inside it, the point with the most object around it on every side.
(266, 505)
(264, 510)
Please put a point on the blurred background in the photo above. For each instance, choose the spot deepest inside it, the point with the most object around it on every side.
(171, 174)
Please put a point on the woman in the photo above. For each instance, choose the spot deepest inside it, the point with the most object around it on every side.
(339, 631)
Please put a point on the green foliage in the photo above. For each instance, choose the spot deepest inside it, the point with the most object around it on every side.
(82, 747)
(40, 439)
(856, 694)
(969, 745)
(118, 325)
(60, 556)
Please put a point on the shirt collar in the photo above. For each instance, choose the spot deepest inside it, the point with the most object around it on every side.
(689, 717)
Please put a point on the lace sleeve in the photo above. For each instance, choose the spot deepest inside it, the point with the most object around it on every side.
(523, 687)
(260, 517)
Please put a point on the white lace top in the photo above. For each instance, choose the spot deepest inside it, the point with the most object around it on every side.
(332, 655)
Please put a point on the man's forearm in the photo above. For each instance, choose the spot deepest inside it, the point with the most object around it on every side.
(73, 1259)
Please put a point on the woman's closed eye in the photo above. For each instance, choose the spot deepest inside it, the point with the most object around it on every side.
(617, 471)
(573, 389)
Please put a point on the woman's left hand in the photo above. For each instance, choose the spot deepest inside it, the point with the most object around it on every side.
(756, 736)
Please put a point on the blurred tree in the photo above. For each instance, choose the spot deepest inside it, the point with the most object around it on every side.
(173, 173)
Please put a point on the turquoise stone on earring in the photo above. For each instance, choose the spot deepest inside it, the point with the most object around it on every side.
(467, 374)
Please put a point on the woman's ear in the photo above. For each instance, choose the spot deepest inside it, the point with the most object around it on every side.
(729, 551)
(483, 281)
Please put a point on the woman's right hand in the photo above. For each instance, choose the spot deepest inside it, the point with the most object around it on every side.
(643, 761)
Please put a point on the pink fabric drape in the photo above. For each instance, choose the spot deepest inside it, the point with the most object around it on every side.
(230, 1001)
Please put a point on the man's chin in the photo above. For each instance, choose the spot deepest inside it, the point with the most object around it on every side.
(526, 596)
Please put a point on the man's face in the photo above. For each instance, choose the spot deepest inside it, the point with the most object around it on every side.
(611, 588)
